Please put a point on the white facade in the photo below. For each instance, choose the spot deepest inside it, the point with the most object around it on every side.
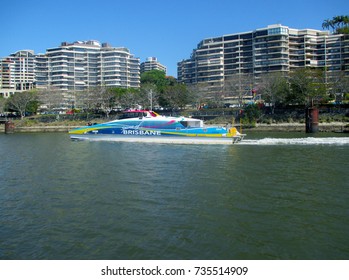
(152, 63)
(84, 64)
(275, 48)
(70, 67)
(17, 72)
(118, 68)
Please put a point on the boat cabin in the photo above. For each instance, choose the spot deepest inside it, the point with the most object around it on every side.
(138, 114)
(187, 123)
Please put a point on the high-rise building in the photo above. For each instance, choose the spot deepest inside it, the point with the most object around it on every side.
(70, 67)
(17, 72)
(7, 80)
(41, 71)
(152, 63)
(83, 64)
(118, 68)
(275, 48)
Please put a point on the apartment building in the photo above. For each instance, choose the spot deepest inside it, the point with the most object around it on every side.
(17, 72)
(275, 48)
(70, 67)
(83, 64)
(152, 63)
(42, 71)
(7, 77)
(118, 68)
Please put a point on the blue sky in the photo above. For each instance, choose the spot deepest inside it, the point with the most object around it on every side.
(168, 30)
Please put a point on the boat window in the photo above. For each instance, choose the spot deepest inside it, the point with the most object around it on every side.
(185, 124)
(129, 115)
(191, 123)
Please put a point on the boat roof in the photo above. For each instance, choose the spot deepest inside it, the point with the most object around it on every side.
(152, 113)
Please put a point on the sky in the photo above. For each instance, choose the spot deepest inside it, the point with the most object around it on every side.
(168, 30)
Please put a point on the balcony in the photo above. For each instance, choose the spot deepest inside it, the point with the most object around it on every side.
(79, 69)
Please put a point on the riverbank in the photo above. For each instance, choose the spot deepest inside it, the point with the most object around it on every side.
(40, 128)
(279, 127)
(300, 127)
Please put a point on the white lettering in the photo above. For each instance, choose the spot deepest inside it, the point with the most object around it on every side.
(140, 132)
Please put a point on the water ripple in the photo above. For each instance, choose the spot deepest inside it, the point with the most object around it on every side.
(82, 200)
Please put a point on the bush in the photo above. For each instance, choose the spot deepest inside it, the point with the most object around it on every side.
(252, 113)
(26, 122)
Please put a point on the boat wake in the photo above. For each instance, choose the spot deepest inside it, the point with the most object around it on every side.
(338, 141)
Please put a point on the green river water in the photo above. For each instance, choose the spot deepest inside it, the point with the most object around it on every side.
(273, 196)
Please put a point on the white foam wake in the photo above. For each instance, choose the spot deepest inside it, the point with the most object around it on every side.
(297, 141)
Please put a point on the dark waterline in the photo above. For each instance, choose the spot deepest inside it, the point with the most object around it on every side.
(98, 200)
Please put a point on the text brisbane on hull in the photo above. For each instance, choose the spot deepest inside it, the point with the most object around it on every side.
(148, 126)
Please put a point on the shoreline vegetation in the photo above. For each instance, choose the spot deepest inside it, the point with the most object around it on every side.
(250, 118)
(281, 127)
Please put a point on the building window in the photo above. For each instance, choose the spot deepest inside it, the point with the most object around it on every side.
(278, 30)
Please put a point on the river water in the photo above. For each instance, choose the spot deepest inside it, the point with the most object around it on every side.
(274, 196)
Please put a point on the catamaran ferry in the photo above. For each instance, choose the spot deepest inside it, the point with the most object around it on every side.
(148, 126)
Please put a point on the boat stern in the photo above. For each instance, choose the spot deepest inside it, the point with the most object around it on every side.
(235, 135)
(80, 130)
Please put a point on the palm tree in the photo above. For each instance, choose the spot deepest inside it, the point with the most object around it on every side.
(338, 24)
(327, 24)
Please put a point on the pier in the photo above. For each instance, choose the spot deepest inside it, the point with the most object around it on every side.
(9, 125)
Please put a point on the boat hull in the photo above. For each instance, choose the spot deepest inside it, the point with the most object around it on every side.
(157, 139)
(157, 129)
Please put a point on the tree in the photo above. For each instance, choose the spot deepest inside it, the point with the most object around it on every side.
(238, 86)
(338, 85)
(86, 100)
(150, 94)
(274, 88)
(328, 24)
(155, 77)
(21, 101)
(50, 98)
(338, 24)
(198, 93)
(119, 93)
(2, 105)
(176, 96)
(130, 98)
(100, 97)
(307, 86)
(252, 113)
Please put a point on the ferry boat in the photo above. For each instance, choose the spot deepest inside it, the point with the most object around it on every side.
(148, 126)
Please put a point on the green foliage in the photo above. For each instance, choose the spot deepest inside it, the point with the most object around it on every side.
(307, 87)
(33, 106)
(2, 104)
(175, 96)
(23, 102)
(156, 77)
(251, 114)
(338, 24)
(343, 30)
(118, 91)
(131, 98)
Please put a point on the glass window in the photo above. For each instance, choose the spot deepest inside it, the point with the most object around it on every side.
(232, 37)
(278, 30)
